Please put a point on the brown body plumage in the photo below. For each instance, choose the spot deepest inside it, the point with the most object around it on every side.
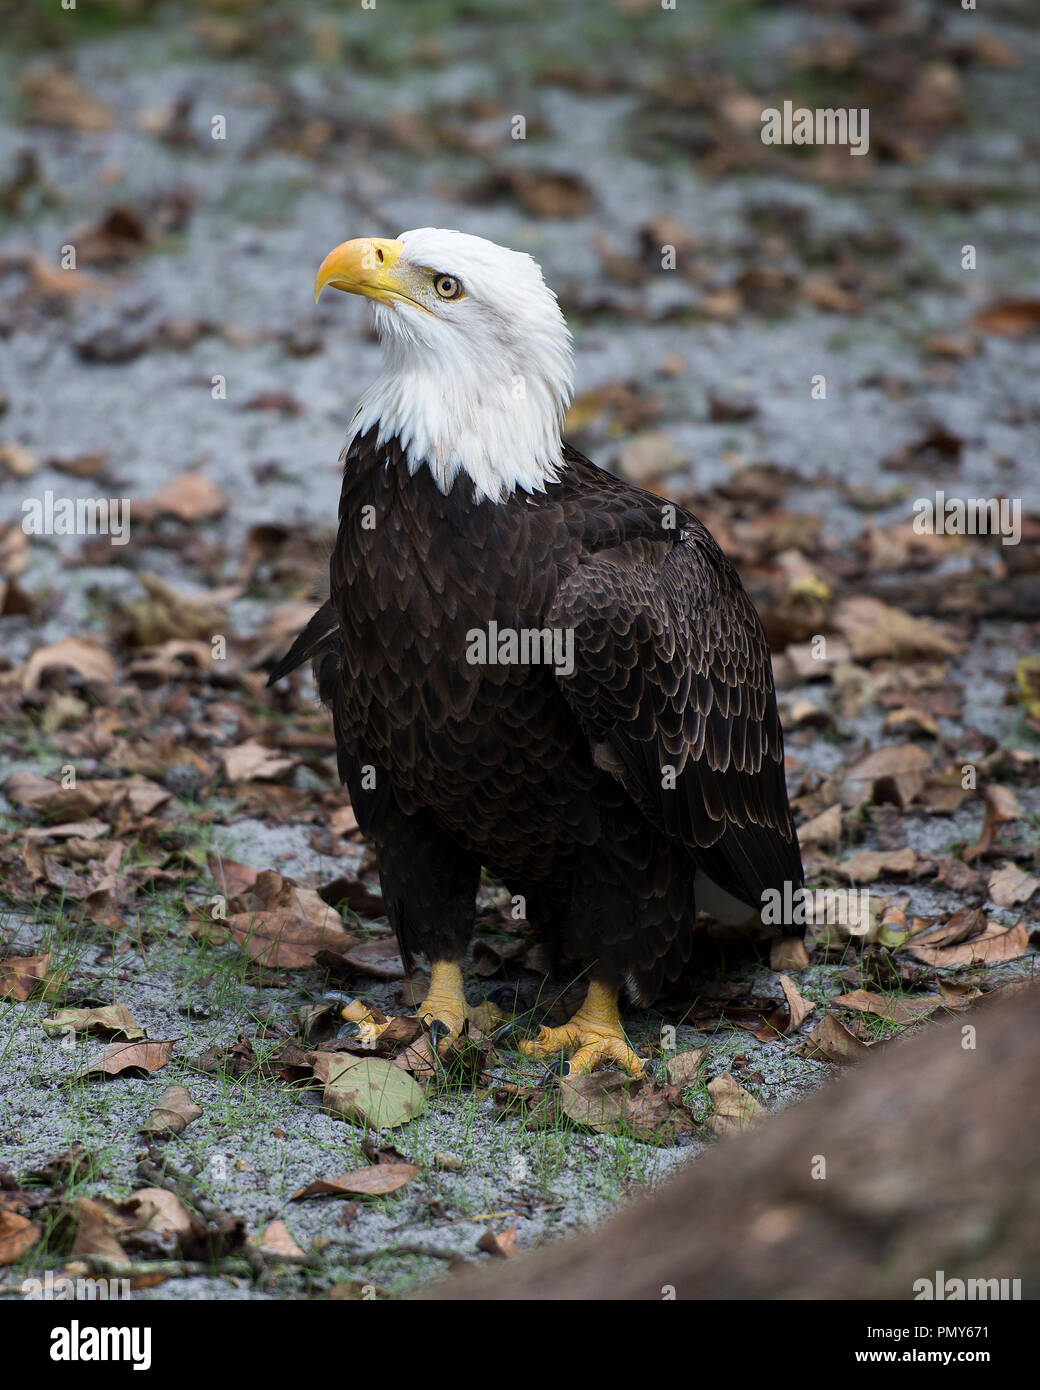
(598, 797)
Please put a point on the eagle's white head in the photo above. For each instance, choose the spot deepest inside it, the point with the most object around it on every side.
(477, 374)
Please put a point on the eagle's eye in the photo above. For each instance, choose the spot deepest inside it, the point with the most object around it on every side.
(447, 287)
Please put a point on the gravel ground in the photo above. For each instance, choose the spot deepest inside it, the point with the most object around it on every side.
(264, 212)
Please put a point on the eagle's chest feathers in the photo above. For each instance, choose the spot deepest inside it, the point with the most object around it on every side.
(419, 577)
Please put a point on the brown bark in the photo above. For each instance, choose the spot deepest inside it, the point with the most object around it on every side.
(931, 1154)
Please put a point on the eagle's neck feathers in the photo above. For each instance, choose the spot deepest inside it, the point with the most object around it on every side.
(476, 425)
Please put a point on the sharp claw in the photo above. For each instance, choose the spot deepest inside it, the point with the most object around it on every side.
(438, 1030)
(560, 1066)
(334, 996)
(348, 1030)
(522, 1024)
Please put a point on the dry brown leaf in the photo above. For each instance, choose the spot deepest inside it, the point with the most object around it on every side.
(895, 773)
(53, 97)
(893, 929)
(957, 995)
(798, 1007)
(71, 1165)
(379, 958)
(1001, 806)
(873, 629)
(23, 976)
(77, 831)
(909, 719)
(285, 926)
(252, 762)
(174, 659)
(682, 1069)
(50, 800)
(831, 1041)
(168, 614)
(502, 1244)
(596, 1100)
(173, 1113)
(662, 230)
(230, 877)
(893, 1008)
(143, 796)
(788, 953)
(56, 282)
(275, 1242)
(374, 1181)
(157, 1210)
(965, 922)
(1009, 886)
(417, 1059)
(654, 1114)
(551, 192)
(87, 659)
(112, 1020)
(735, 1108)
(96, 1231)
(824, 829)
(284, 940)
(17, 1236)
(189, 497)
(809, 662)
(14, 549)
(994, 944)
(138, 1056)
(942, 794)
(80, 465)
(17, 460)
(1009, 318)
(867, 865)
(825, 292)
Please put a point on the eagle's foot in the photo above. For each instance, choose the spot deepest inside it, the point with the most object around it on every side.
(445, 1003)
(592, 1037)
(443, 1013)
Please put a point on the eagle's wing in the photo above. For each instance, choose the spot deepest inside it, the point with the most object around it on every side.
(673, 686)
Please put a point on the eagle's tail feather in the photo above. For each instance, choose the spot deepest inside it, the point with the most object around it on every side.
(748, 860)
(319, 636)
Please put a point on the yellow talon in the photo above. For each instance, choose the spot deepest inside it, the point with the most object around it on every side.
(593, 1036)
(445, 1002)
(369, 1029)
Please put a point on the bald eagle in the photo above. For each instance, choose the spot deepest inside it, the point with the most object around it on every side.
(531, 665)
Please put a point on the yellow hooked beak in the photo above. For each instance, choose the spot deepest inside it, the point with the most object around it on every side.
(364, 266)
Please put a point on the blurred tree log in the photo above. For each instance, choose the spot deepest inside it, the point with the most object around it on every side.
(924, 1160)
